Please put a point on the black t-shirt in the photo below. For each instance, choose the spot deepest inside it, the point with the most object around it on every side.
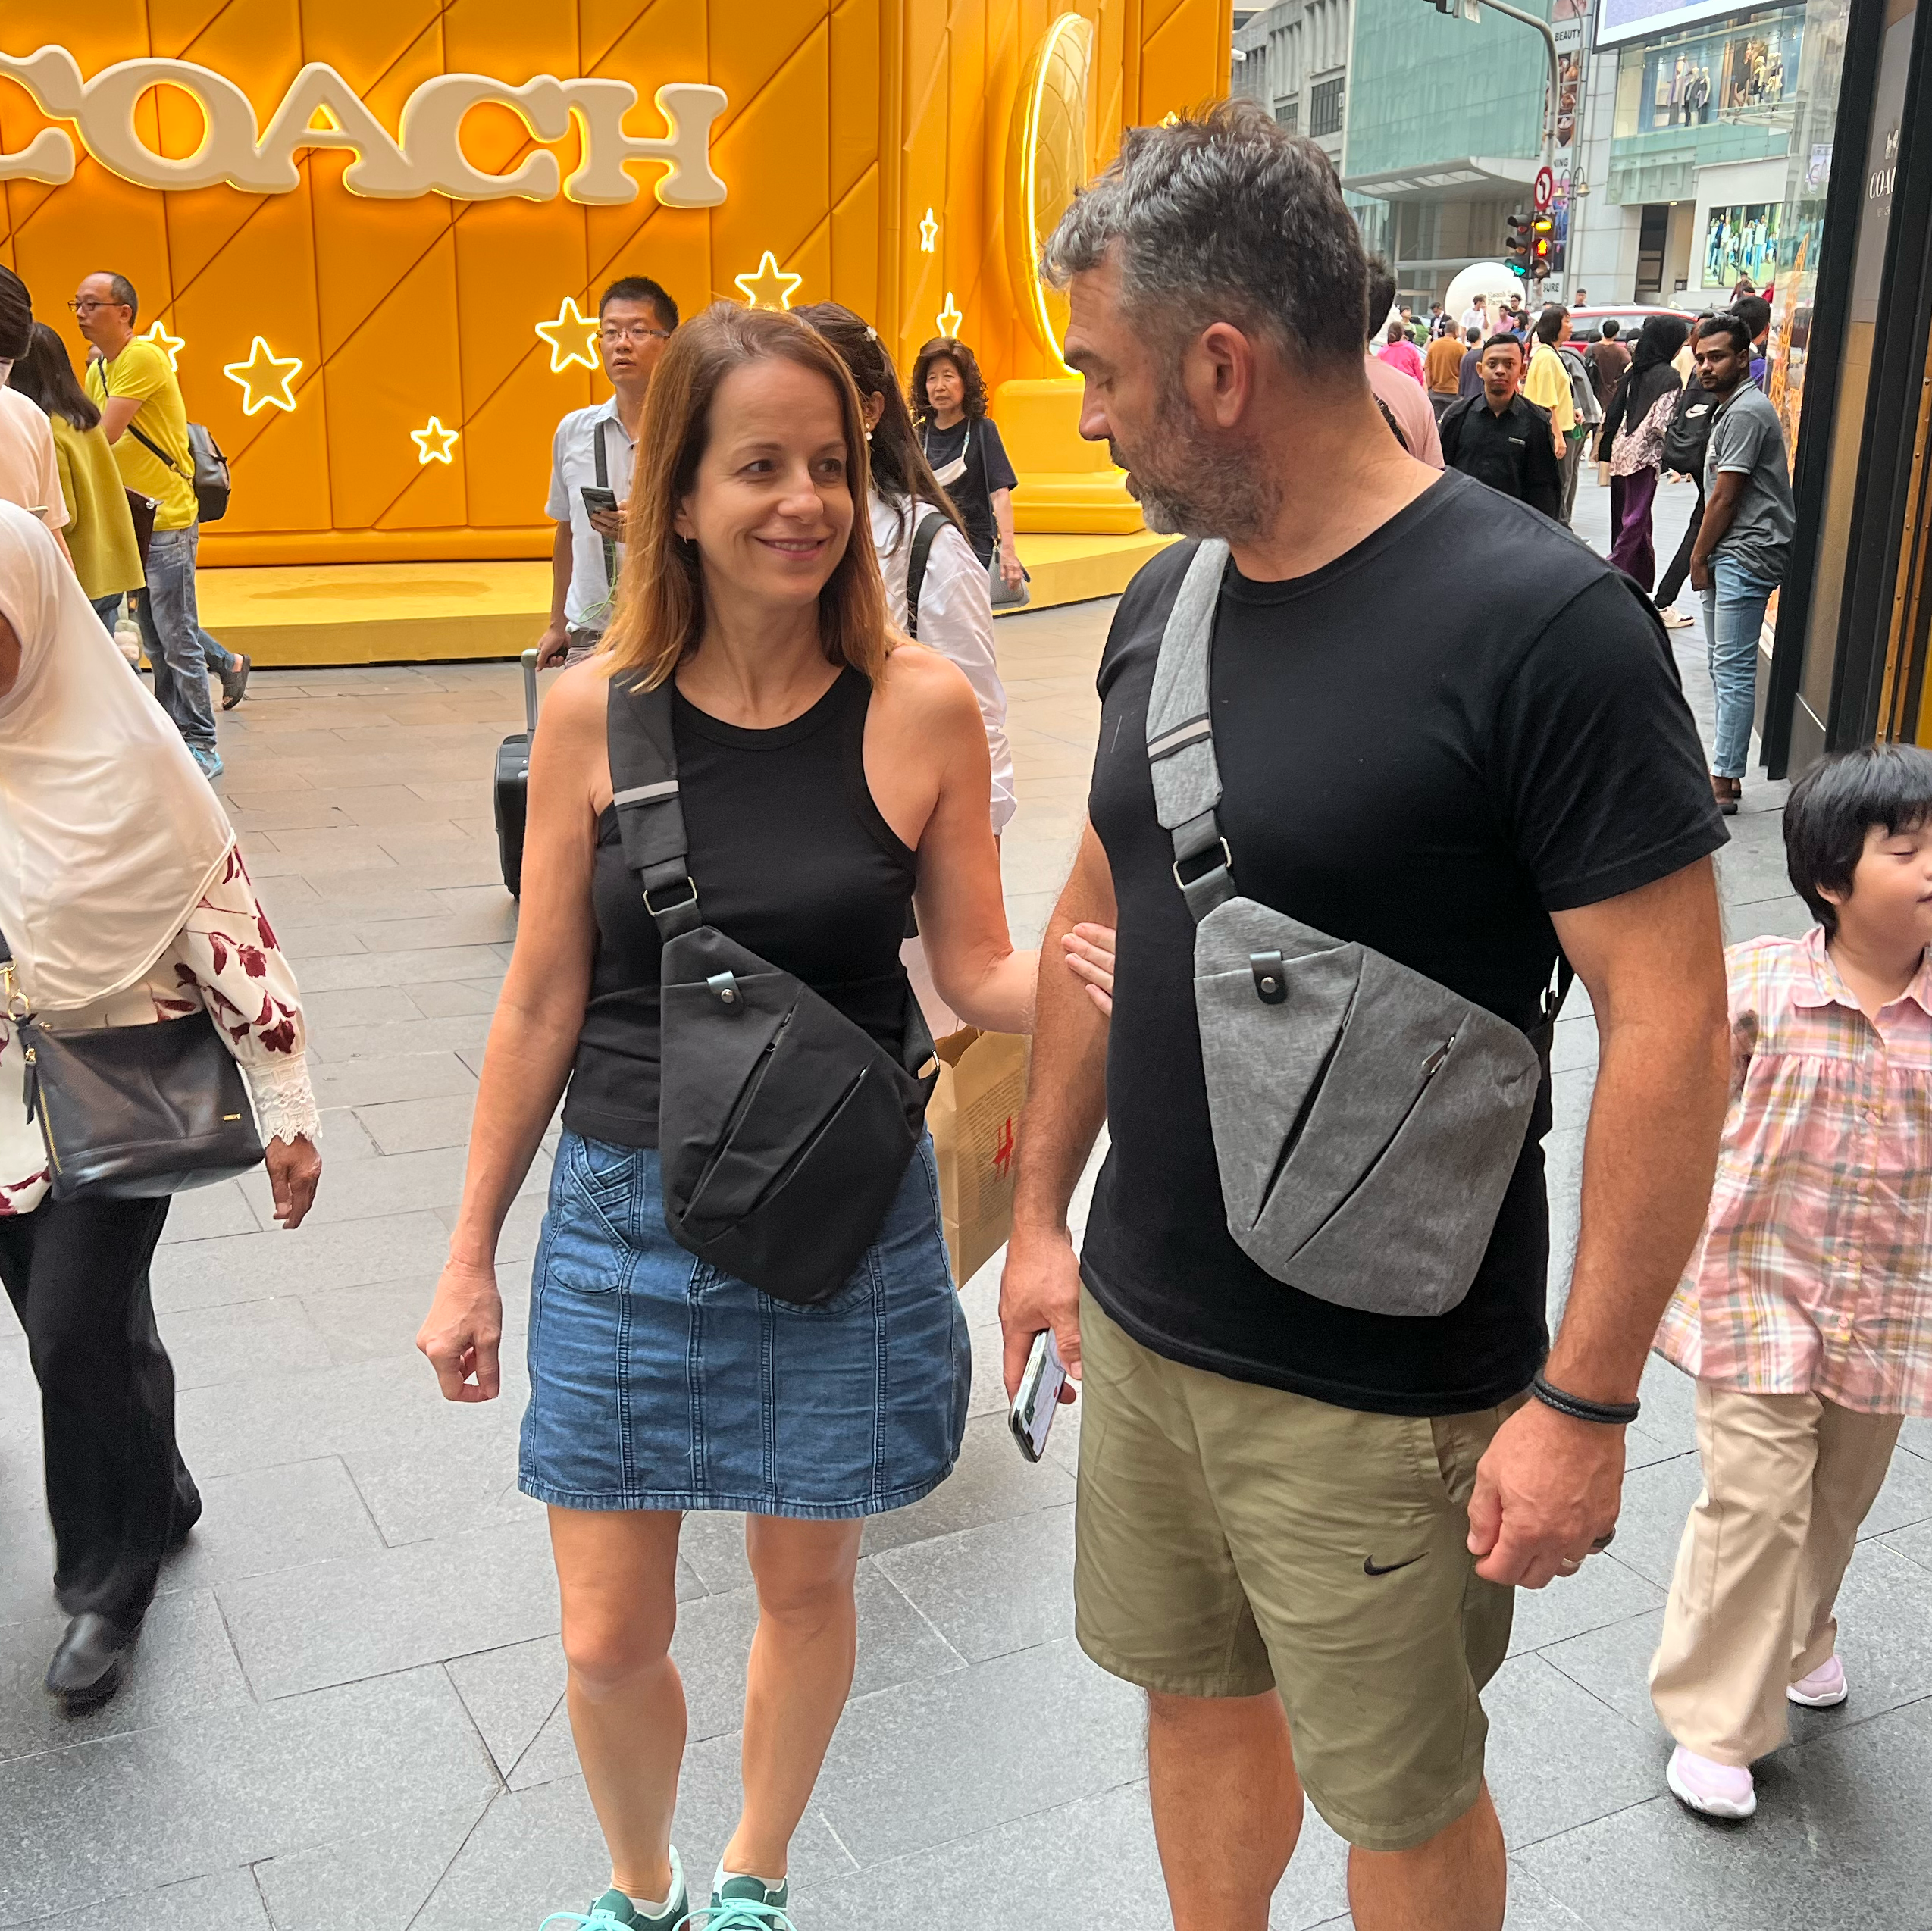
(988, 468)
(1467, 722)
(1512, 453)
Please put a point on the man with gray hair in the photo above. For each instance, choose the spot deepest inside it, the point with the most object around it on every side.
(1445, 739)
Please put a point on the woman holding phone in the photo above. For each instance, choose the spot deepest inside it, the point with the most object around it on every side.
(826, 775)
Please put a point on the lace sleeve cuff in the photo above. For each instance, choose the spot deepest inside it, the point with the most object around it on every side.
(284, 1101)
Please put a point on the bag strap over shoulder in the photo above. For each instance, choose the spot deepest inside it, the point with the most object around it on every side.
(1180, 738)
(603, 460)
(643, 776)
(929, 528)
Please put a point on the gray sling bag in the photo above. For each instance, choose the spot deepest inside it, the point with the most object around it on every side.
(1366, 1120)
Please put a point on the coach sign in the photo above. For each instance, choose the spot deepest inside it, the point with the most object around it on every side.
(321, 110)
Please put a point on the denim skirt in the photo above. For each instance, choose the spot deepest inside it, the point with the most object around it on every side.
(658, 1382)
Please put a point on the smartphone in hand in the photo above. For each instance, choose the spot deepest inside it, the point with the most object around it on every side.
(596, 499)
(1033, 1406)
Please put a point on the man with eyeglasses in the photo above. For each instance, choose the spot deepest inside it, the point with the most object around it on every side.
(593, 450)
(134, 383)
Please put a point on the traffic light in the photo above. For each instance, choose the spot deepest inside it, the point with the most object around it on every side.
(1445, 6)
(1518, 247)
(1542, 232)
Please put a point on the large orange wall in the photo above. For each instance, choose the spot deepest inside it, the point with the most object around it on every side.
(844, 124)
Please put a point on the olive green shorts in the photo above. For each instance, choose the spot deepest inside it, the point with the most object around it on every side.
(1232, 1539)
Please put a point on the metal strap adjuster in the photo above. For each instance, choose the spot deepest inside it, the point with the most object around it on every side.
(677, 905)
(1227, 864)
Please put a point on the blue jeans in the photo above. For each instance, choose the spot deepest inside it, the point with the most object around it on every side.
(170, 628)
(1734, 616)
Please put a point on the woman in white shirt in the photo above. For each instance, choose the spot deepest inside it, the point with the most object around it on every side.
(954, 614)
(124, 903)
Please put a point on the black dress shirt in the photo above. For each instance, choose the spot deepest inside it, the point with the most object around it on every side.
(1512, 453)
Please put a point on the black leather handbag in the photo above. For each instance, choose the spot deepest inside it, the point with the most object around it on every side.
(128, 1113)
(783, 1130)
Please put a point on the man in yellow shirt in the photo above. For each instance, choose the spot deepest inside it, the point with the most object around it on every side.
(132, 383)
(1547, 384)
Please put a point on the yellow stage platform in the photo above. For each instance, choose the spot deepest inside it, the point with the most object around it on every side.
(389, 613)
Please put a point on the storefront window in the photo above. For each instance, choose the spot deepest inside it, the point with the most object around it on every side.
(1740, 74)
(1812, 162)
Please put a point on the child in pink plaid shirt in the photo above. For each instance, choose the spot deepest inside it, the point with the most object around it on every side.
(1806, 1311)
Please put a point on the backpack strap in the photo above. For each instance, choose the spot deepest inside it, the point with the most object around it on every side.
(643, 776)
(1394, 427)
(1180, 738)
(929, 528)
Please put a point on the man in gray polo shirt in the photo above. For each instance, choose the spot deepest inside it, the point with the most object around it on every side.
(1743, 543)
(635, 319)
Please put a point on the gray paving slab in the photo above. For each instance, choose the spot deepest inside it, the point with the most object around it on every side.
(217, 1789)
(375, 1882)
(394, 1608)
(1839, 1844)
(186, 1667)
(223, 1901)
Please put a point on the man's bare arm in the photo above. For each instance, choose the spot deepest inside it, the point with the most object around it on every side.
(1549, 1487)
(1065, 1104)
(1654, 962)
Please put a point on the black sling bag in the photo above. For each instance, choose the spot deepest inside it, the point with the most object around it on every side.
(783, 1130)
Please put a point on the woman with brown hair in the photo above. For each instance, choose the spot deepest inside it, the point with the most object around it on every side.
(826, 775)
(962, 443)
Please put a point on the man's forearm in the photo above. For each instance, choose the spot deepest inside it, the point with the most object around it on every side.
(1066, 1093)
(1719, 508)
(1648, 1159)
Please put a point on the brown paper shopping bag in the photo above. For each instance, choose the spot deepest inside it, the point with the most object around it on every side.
(974, 1115)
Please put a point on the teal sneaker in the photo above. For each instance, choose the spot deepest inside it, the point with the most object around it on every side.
(614, 1911)
(747, 1904)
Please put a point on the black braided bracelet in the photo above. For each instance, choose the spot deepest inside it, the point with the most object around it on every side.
(1613, 1414)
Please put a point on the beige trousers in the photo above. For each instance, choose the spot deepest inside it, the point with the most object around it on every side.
(1788, 1479)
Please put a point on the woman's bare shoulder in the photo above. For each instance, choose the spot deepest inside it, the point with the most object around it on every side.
(924, 689)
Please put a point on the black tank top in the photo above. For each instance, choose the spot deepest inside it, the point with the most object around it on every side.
(791, 858)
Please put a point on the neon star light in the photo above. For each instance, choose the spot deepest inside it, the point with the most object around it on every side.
(770, 287)
(171, 345)
(265, 378)
(950, 317)
(929, 232)
(571, 336)
(434, 442)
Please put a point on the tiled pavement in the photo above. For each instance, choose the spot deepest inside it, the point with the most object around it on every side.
(346, 1714)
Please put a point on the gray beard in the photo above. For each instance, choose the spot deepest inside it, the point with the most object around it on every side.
(1195, 489)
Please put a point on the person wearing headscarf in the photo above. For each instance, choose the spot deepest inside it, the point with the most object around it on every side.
(1632, 442)
(124, 902)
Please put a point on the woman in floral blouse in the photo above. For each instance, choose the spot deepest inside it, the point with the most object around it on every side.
(123, 901)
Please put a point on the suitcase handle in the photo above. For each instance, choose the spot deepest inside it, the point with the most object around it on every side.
(530, 690)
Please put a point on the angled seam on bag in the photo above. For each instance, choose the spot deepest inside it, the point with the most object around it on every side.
(1366, 1120)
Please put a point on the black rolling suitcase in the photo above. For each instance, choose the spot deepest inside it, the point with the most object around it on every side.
(513, 784)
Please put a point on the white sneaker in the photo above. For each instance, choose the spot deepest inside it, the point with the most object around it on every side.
(1673, 619)
(1713, 1790)
(1824, 1689)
